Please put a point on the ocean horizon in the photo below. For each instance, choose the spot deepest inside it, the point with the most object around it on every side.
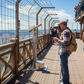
(6, 35)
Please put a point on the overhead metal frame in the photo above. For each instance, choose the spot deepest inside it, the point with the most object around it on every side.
(45, 22)
(50, 21)
(41, 21)
(53, 22)
(38, 14)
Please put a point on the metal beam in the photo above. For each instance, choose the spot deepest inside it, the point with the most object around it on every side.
(17, 36)
(38, 14)
(47, 7)
(80, 30)
(45, 22)
(41, 22)
(50, 20)
(54, 21)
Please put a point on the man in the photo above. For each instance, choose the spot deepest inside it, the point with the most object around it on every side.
(64, 40)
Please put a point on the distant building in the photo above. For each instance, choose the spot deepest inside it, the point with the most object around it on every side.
(79, 16)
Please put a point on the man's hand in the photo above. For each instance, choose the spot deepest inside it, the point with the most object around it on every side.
(56, 39)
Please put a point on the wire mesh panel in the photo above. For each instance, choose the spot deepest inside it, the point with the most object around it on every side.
(27, 16)
(74, 26)
(7, 20)
(14, 56)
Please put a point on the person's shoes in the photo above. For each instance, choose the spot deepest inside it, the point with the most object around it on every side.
(60, 80)
(61, 83)
(70, 83)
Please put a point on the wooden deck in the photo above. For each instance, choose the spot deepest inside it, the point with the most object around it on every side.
(52, 74)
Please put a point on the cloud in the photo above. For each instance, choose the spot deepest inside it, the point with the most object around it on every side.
(10, 7)
(24, 9)
(44, 2)
(61, 14)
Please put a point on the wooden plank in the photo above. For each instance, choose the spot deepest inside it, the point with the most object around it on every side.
(5, 52)
(24, 41)
(6, 64)
(6, 46)
(4, 69)
(22, 57)
(27, 51)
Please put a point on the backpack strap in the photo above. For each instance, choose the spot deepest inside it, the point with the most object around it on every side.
(68, 29)
(70, 32)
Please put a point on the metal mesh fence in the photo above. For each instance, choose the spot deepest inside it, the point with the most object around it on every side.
(7, 20)
(27, 16)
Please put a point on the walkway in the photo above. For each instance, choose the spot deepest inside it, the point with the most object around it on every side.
(52, 60)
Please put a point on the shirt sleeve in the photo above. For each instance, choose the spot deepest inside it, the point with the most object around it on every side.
(66, 37)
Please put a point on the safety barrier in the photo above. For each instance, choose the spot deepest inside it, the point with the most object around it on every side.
(11, 64)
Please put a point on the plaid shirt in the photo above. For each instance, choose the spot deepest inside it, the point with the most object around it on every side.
(65, 36)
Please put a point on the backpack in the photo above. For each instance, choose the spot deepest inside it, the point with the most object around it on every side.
(73, 45)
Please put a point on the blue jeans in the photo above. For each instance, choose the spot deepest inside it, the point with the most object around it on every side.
(64, 68)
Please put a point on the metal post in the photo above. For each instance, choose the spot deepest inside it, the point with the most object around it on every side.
(80, 30)
(83, 25)
(38, 14)
(50, 21)
(45, 22)
(17, 36)
(35, 41)
(41, 22)
(37, 19)
(54, 21)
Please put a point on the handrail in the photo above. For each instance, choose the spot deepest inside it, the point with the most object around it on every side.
(25, 53)
(6, 46)
(24, 40)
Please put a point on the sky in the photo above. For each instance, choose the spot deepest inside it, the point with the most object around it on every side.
(66, 7)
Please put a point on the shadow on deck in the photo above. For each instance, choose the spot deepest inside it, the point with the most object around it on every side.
(52, 74)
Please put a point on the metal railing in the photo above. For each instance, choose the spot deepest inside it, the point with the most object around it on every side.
(9, 62)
